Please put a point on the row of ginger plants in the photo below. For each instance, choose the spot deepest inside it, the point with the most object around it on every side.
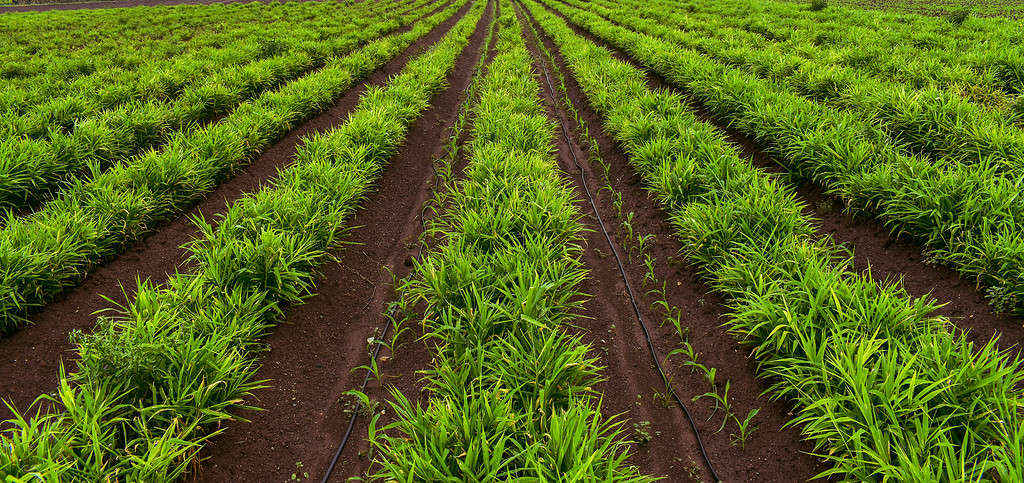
(967, 215)
(159, 67)
(154, 383)
(937, 122)
(916, 58)
(509, 390)
(79, 135)
(884, 387)
(985, 50)
(53, 249)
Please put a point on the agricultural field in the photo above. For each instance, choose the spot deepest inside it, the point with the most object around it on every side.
(981, 8)
(511, 240)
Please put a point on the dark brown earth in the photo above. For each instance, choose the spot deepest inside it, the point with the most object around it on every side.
(313, 358)
(888, 257)
(610, 327)
(771, 453)
(28, 366)
(356, 459)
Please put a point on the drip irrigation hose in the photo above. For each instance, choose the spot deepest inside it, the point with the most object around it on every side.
(387, 327)
(376, 349)
(355, 411)
(625, 279)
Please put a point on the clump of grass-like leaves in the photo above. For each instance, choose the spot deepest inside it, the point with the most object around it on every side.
(510, 394)
(884, 388)
(154, 382)
(959, 15)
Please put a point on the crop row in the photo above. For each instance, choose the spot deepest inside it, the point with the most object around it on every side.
(966, 215)
(50, 100)
(50, 250)
(947, 8)
(884, 389)
(918, 63)
(989, 46)
(930, 120)
(31, 170)
(90, 41)
(153, 383)
(509, 391)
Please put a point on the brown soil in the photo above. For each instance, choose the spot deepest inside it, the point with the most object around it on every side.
(356, 459)
(32, 354)
(888, 257)
(313, 357)
(438, 5)
(771, 453)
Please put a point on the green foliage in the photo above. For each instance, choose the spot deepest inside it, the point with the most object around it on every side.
(885, 390)
(104, 118)
(961, 202)
(510, 393)
(155, 381)
(818, 5)
(54, 248)
(959, 15)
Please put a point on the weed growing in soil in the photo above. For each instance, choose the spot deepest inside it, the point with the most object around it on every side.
(299, 475)
(643, 433)
(745, 428)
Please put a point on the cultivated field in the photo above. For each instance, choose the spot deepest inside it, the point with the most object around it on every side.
(981, 8)
(511, 240)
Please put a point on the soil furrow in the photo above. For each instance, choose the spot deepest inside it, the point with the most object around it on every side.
(887, 257)
(32, 355)
(314, 356)
(39, 205)
(357, 458)
(771, 453)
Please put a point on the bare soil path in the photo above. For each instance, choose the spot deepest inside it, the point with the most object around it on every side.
(30, 357)
(772, 453)
(888, 257)
(313, 357)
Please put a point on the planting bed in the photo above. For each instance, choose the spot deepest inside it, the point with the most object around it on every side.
(494, 240)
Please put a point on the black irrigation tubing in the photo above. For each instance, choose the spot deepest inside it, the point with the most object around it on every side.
(358, 407)
(387, 327)
(625, 279)
(376, 350)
